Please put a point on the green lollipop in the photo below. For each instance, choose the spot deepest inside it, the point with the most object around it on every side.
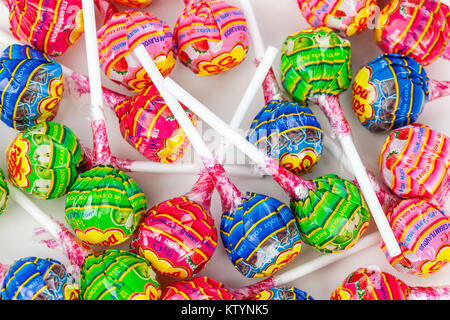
(4, 192)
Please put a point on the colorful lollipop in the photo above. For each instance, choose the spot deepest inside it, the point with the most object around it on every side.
(419, 29)
(366, 284)
(118, 275)
(198, 288)
(4, 192)
(134, 3)
(349, 17)
(283, 293)
(210, 36)
(391, 91)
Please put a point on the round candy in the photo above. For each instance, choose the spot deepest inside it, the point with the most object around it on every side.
(44, 160)
(177, 237)
(260, 236)
(134, 3)
(414, 163)
(147, 124)
(315, 61)
(118, 275)
(104, 206)
(348, 17)
(198, 288)
(38, 279)
(4, 192)
(364, 284)
(333, 216)
(50, 26)
(389, 92)
(32, 87)
(419, 29)
(290, 133)
(121, 34)
(211, 37)
(284, 293)
(423, 233)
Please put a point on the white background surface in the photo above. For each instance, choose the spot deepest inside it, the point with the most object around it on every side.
(221, 93)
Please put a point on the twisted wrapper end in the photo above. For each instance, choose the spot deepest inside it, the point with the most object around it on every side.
(248, 292)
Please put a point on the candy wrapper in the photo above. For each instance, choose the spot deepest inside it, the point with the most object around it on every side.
(284, 293)
(38, 279)
(44, 160)
(419, 29)
(414, 163)
(422, 229)
(288, 132)
(32, 87)
(104, 206)
(4, 192)
(198, 288)
(122, 33)
(211, 36)
(134, 3)
(51, 26)
(348, 17)
(147, 124)
(118, 275)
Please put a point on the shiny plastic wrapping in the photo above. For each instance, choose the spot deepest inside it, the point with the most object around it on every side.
(283, 293)
(414, 163)
(147, 124)
(4, 192)
(198, 288)
(290, 133)
(50, 26)
(333, 216)
(389, 92)
(134, 3)
(44, 160)
(211, 36)
(118, 275)
(31, 85)
(104, 206)
(34, 278)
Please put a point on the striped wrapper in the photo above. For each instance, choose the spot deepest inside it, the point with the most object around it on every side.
(4, 192)
(104, 206)
(283, 293)
(315, 61)
(198, 288)
(333, 216)
(32, 87)
(51, 26)
(147, 124)
(414, 162)
(419, 29)
(118, 275)
(389, 92)
(211, 36)
(38, 279)
(260, 235)
(134, 3)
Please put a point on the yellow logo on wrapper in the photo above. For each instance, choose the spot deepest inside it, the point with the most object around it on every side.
(71, 292)
(222, 62)
(19, 166)
(48, 106)
(385, 14)
(342, 294)
(364, 95)
(442, 257)
(283, 259)
(362, 19)
(105, 238)
(79, 29)
(164, 265)
(300, 163)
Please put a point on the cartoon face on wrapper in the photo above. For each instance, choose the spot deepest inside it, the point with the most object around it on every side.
(334, 216)
(51, 26)
(290, 133)
(122, 33)
(38, 279)
(177, 237)
(147, 124)
(134, 3)
(118, 275)
(283, 293)
(211, 36)
(260, 236)
(348, 17)
(365, 284)
(315, 61)
(44, 160)
(425, 244)
(31, 85)
(389, 92)
(418, 29)
(414, 163)
(198, 288)
(104, 206)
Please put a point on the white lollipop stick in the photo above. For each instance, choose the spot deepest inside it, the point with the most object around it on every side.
(252, 24)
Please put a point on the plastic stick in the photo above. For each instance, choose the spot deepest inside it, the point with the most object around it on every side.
(255, 34)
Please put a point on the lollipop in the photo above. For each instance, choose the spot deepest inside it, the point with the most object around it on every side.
(414, 163)
(419, 29)
(391, 91)
(134, 3)
(348, 17)
(366, 284)
(44, 160)
(37, 279)
(32, 87)
(284, 293)
(198, 288)
(4, 192)
(118, 275)
(210, 36)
